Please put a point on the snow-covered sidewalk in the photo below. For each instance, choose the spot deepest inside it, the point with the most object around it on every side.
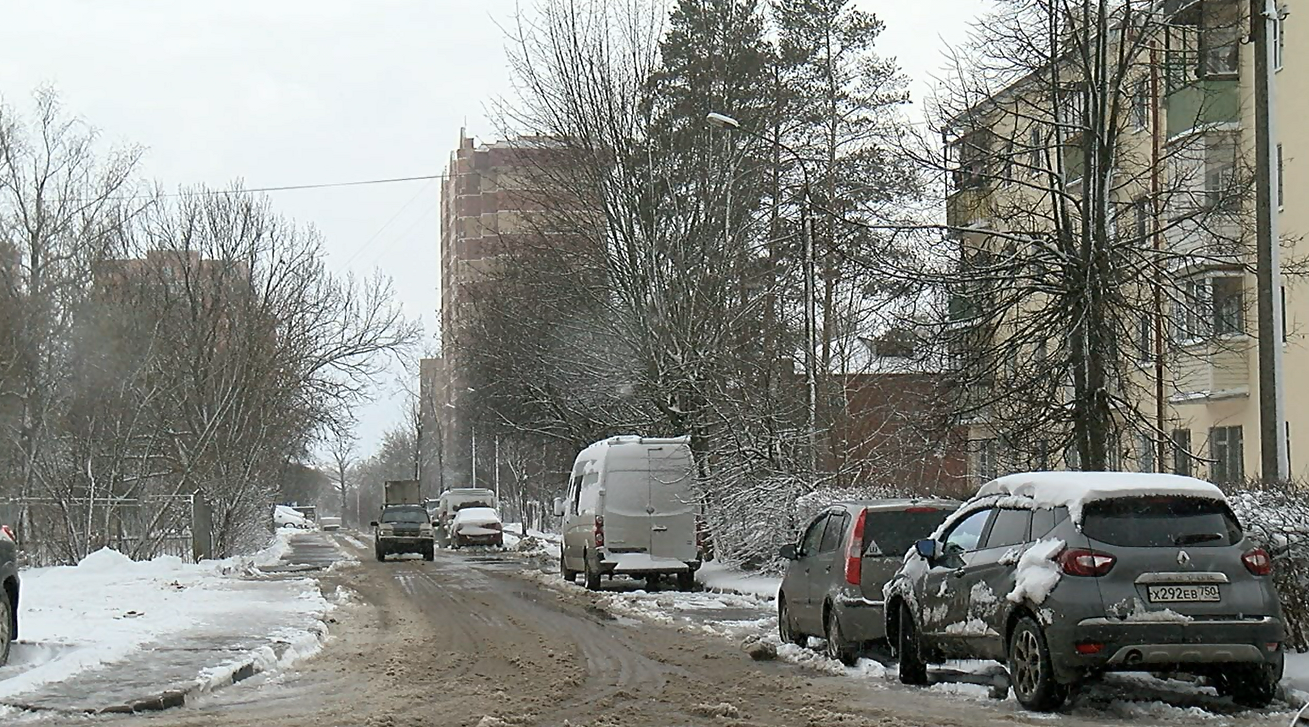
(716, 576)
(109, 631)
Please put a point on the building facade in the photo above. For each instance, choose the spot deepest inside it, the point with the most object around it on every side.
(1188, 126)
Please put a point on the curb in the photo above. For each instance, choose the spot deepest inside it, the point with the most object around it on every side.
(175, 696)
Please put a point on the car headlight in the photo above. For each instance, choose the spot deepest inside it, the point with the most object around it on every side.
(386, 529)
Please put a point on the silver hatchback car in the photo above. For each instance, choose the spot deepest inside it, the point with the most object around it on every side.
(1066, 575)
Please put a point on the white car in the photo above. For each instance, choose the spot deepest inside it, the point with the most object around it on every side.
(329, 523)
(476, 526)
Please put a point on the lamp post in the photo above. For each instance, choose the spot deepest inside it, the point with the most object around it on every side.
(723, 121)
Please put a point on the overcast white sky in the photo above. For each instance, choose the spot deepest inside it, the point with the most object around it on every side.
(282, 92)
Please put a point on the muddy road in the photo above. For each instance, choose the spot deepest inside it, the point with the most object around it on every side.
(468, 640)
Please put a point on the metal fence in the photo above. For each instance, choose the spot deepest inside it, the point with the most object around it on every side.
(52, 531)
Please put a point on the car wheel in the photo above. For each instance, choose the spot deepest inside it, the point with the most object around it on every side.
(381, 554)
(1031, 672)
(568, 575)
(429, 553)
(686, 581)
(785, 629)
(913, 670)
(837, 646)
(6, 626)
(1250, 686)
(591, 574)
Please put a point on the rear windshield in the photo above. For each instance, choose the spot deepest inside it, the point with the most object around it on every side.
(894, 533)
(407, 515)
(1146, 522)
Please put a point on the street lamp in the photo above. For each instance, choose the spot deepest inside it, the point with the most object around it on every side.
(723, 121)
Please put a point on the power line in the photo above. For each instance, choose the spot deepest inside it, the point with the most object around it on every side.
(289, 187)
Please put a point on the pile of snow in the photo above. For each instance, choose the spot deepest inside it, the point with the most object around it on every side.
(718, 576)
(1074, 489)
(108, 607)
(285, 516)
(1037, 572)
(535, 543)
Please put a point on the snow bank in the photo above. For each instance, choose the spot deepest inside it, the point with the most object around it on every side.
(108, 607)
(1074, 489)
(717, 576)
(1037, 573)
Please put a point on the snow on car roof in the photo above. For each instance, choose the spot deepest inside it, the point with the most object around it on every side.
(477, 513)
(1074, 489)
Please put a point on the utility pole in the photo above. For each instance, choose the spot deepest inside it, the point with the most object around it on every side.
(1275, 466)
(496, 457)
(811, 332)
(474, 482)
(1156, 232)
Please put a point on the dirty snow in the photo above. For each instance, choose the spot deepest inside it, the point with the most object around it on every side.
(79, 618)
(717, 576)
(1037, 573)
(971, 627)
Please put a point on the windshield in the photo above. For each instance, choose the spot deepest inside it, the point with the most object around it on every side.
(405, 515)
(895, 532)
(1166, 521)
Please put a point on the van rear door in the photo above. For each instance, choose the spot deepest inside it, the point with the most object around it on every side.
(672, 502)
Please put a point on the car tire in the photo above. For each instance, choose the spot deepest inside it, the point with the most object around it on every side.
(837, 646)
(1250, 686)
(6, 626)
(913, 670)
(429, 553)
(569, 576)
(785, 629)
(381, 554)
(591, 574)
(686, 581)
(1031, 671)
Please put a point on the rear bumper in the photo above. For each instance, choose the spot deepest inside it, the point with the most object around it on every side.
(634, 563)
(480, 539)
(1133, 646)
(862, 619)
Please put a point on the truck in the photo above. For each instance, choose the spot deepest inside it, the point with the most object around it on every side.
(404, 525)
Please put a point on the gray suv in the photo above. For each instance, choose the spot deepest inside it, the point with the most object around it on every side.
(833, 584)
(1064, 576)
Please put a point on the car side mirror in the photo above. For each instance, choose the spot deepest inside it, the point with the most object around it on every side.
(559, 507)
(789, 552)
(372, 524)
(928, 550)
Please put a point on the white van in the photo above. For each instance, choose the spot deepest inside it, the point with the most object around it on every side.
(631, 509)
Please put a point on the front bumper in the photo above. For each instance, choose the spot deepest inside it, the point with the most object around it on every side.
(404, 544)
(1136, 646)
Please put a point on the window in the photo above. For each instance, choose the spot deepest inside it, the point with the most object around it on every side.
(974, 153)
(1011, 527)
(1228, 309)
(577, 493)
(1221, 51)
(892, 533)
(834, 533)
(1190, 310)
(1161, 522)
(1145, 446)
(1034, 145)
(1007, 163)
(1141, 219)
(1225, 448)
(1043, 521)
(1220, 173)
(812, 536)
(1145, 338)
(1141, 103)
(1182, 452)
(1279, 40)
(986, 464)
(967, 533)
(1281, 175)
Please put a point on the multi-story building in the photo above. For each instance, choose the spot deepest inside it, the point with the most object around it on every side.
(487, 198)
(1184, 172)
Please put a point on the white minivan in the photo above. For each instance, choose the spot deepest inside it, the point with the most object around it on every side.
(631, 509)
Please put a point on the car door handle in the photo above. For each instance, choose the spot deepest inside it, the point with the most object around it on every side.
(660, 529)
(957, 573)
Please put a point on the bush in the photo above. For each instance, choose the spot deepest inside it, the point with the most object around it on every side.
(1277, 518)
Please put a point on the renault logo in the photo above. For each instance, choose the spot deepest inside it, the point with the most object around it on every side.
(1183, 558)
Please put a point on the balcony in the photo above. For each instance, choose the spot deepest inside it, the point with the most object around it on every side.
(1208, 240)
(970, 207)
(1203, 103)
(1213, 370)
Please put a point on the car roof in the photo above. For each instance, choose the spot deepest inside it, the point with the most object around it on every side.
(900, 503)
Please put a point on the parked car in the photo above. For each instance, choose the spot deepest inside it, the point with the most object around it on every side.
(631, 509)
(843, 558)
(445, 507)
(8, 592)
(329, 523)
(476, 526)
(1066, 575)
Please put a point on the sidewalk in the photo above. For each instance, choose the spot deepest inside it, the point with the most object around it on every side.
(111, 635)
(715, 576)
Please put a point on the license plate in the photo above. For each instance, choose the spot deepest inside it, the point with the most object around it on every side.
(1183, 594)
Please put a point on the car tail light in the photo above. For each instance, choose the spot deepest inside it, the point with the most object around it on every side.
(8, 533)
(1087, 648)
(599, 531)
(1080, 562)
(854, 564)
(1258, 562)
